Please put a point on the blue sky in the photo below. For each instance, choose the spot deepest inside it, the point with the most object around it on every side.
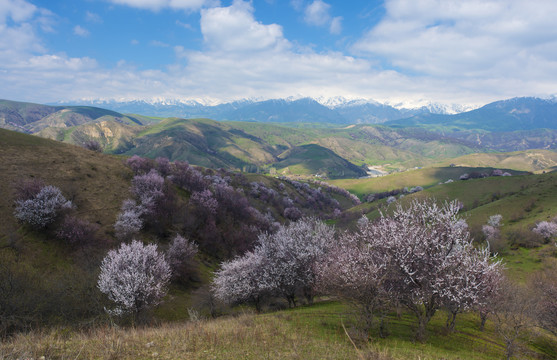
(466, 52)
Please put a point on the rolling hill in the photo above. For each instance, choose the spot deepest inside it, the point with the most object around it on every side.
(32, 118)
(314, 159)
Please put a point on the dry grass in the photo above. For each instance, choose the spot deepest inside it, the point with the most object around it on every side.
(96, 183)
(243, 337)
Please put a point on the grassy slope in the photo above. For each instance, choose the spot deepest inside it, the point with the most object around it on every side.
(529, 160)
(98, 183)
(313, 159)
(422, 177)
(522, 200)
(110, 134)
(314, 332)
(363, 144)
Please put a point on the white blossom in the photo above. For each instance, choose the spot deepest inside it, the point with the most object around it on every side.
(134, 277)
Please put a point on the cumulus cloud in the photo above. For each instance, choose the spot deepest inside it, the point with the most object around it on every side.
(475, 38)
(318, 14)
(157, 5)
(234, 29)
(449, 51)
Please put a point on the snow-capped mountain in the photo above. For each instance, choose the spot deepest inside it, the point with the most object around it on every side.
(339, 109)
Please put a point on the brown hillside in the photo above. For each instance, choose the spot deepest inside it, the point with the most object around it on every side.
(96, 183)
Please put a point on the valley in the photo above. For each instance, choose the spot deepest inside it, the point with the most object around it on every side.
(221, 185)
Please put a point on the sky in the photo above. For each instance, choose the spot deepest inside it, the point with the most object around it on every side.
(467, 52)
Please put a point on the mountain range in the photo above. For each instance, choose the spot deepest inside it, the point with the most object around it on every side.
(296, 136)
(337, 110)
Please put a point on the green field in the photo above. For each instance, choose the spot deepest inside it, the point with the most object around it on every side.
(418, 177)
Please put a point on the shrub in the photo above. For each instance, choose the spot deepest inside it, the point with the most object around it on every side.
(92, 145)
(28, 189)
(524, 238)
(43, 208)
(76, 231)
(139, 165)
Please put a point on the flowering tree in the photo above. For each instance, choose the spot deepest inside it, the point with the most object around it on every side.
(495, 220)
(205, 201)
(129, 220)
(292, 253)
(134, 277)
(163, 165)
(180, 254)
(356, 269)
(475, 286)
(546, 229)
(42, 209)
(149, 189)
(282, 263)
(242, 280)
(431, 258)
(139, 165)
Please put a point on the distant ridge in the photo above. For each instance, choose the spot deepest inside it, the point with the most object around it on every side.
(337, 110)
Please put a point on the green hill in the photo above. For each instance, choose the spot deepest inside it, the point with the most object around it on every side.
(313, 159)
(418, 177)
(529, 160)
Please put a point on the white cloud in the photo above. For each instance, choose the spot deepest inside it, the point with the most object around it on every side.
(234, 29)
(336, 25)
(318, 14)
(476, 38)
(157, 5)
(17, 10)
(93, 18)
(447, 51)
(184, 25)
(158, 43)
(80, 31)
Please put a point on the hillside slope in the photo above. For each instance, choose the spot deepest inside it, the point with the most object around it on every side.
(32, 118)
(96, 183)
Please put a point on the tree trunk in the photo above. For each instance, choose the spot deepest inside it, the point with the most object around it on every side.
(483, 319)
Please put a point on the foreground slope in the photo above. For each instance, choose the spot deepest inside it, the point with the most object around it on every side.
(96, 183)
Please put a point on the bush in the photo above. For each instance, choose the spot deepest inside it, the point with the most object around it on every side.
(28, 189)
(139, 165)
(43, 208)
(77, 232)
(524, 238)
(93, 145)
